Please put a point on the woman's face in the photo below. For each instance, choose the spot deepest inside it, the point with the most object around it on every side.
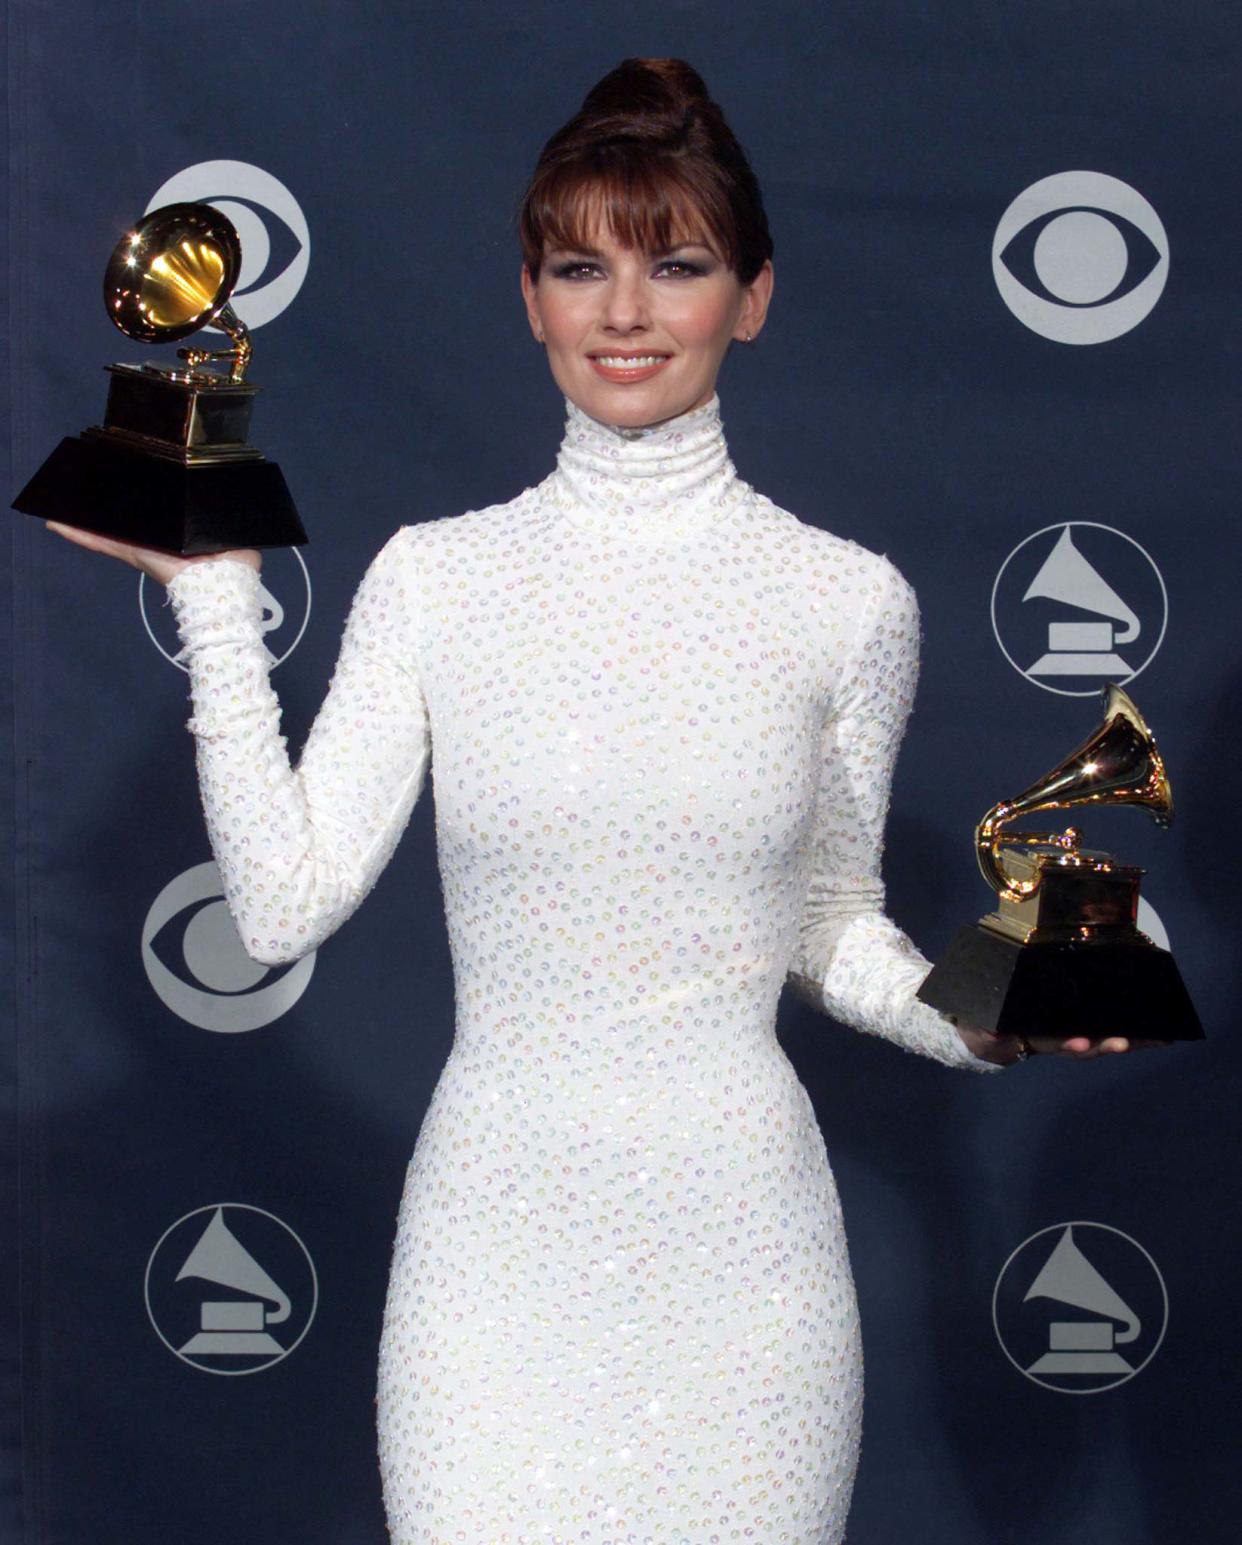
(635, 338)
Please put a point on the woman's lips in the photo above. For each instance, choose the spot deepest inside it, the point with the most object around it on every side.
(624, 368)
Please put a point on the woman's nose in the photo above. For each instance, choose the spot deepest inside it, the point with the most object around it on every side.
(625, 304)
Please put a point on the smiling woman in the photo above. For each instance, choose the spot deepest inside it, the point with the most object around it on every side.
(664, 714)
(638, 337)
(646, 246)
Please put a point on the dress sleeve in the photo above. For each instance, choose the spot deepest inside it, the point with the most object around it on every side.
(851, 959)
(299, 848)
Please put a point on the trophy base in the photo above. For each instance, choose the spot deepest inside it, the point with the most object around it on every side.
(1062, 987)
(186, 508)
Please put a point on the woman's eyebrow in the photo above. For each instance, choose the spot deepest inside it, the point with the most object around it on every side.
(680, 246)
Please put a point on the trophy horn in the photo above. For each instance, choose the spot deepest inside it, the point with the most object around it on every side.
(172, 275)
(1117, 765)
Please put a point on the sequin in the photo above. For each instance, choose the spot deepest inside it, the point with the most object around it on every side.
(664, 715)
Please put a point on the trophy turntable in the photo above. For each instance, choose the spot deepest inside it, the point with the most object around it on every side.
(171, 466)
(1062, 954)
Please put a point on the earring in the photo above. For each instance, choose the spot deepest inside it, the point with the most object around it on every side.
(750, 337)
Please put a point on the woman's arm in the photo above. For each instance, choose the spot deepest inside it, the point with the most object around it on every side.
(851, 959)
(299, 848)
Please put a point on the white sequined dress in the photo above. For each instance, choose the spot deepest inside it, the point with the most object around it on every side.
(662, 715)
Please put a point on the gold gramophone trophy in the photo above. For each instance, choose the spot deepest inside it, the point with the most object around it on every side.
(171, 466)
(1062, 954)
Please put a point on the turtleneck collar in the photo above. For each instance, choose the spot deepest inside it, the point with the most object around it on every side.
(663, 483)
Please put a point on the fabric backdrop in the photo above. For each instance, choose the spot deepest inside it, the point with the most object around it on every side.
(1004, 350)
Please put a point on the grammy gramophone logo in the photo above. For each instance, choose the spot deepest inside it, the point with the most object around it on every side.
(1077, 605)
(285, 599)
(231, 1289)
(1080, 1308)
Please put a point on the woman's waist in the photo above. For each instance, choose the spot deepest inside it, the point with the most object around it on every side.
(628, 1077)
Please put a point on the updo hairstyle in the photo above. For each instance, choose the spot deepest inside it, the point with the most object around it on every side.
(650, 157)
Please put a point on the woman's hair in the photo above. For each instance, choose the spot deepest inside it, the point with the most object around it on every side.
(650, 156)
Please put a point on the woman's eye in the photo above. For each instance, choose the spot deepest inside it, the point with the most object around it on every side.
(576, 270)
(680, 268)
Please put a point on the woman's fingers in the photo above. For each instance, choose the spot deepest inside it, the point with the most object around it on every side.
(156, 562)
(159, 564)
(1005, 1049)
(92, 539)
(1083, 1049)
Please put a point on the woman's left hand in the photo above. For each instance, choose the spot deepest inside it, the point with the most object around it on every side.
(1008, 1048)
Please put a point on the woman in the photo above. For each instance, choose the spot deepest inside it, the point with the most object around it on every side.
(664, 715)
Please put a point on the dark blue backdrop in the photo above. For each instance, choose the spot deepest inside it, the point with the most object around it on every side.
(896, 398)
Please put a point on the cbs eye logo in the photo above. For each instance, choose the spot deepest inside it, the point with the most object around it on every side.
(1080, 257)
(275, 238)
(198, 968)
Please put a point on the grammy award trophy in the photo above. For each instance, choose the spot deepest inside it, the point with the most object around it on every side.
(1062, 954)
(171, 465)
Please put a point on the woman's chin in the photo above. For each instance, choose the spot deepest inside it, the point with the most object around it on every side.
(633, 407)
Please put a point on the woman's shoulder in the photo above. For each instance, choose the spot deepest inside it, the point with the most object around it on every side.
(456, 534)
(829, 559)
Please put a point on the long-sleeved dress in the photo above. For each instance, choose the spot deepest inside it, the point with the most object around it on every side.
(664, 714)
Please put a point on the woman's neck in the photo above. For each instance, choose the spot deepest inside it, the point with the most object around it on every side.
(656, 482)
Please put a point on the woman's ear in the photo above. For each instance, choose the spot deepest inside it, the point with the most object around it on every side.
(531, 296)
(757, 299)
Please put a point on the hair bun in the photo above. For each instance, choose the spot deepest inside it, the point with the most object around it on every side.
(649, 100)
(650, 83)
(650, 153)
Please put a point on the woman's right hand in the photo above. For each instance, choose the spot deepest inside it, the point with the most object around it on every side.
(156, 562)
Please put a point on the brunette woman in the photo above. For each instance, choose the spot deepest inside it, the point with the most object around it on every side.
(664, 714)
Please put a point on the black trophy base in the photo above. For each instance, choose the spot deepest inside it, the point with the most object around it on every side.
(1062, 988)
(158, 501)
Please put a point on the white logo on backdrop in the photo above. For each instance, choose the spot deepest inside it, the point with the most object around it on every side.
(1080, 1308)
(1063, 624)
(1080, 257)
(239, 191)
(260, 1296)
(285, 575)
(1148, 921)
(229, 991)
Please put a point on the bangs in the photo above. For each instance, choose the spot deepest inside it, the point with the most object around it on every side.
(642, 201)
